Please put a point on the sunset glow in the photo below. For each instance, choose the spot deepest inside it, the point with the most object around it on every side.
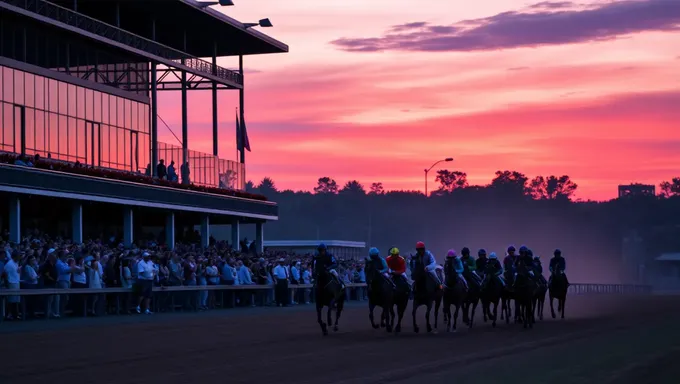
(379, 90)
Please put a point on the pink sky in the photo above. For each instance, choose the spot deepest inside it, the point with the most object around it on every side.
(595, 94)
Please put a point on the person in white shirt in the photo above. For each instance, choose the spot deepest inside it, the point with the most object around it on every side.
(12, 271)
(281, 277)
(146, 273)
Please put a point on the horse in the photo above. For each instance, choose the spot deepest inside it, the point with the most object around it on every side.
(525, 291)
(491, 293)
(328, 292)
(380, 294)
(558, 290)
(507, 295)
(402, 293)
(426, 292)
(455, 293)
(539, 299)
(471, 301)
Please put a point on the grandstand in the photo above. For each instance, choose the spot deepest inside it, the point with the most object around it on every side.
(79, 99)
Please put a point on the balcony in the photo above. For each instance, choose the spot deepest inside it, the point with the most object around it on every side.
(164, 54)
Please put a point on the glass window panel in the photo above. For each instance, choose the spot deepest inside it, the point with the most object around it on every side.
(113, 145)
(72, 137)
(105, 108)
(135, 117)
(53, 134)
(8, 84)
(113, 111)
(19, 87)
(29, 89)
(40, 132)
(121, 114)
(30, 129)
(8, 127)
(89, 105)
(122, 146)
(97, 106)
(80, 102)
(53, 89)
(128, 113)
(63, 137)
(96, 130)
(39, 92)
(145, 118)
(1, 90)
(63, 98)
(105, 150)
(80, 143)
(72, 100)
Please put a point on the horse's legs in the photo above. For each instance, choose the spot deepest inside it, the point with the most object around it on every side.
(324, 328)
(447, 315)
(427, 316)
(401, 308)
(466, 307)
(518, 311)
(552, 308)
(371, 307)
(495, 313)
(455, 315)
(416, 329)
(563, 301)
(338, 312)
(472, 313)
(386, 318)
(329, 318)
(437, 305)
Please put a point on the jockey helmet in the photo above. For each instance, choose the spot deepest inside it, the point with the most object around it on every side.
(374, 252)
(420, 245)
(451, 253)
(558, 252)
(530, 252)
(537, 259)
(511, 248)
(394, 251)
(481, 252)
(465, 251)
(492, 255)
(322, 246)
(523, 248)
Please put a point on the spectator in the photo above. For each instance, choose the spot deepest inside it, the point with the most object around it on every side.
(281, 280)
(295, 280)
(161, 171)
(307, 279)
(12, 272)
(50, 275)
(172, 172)
(146, 273)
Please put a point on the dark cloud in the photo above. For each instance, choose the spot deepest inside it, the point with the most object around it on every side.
(547, 23)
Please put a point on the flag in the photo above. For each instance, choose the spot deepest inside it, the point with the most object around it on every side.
(244, 136)
(238, 134)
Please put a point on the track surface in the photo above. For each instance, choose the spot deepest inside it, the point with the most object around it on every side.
(605, 339)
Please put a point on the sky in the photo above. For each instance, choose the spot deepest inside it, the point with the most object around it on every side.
(379, 90)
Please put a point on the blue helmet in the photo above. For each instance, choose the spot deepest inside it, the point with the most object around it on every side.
(537, 259)
(557, 252)
(530, 252)
(321, 246)
(374, 252)
(465, 251)
(511, 248)
(523, 248)
(481, 252)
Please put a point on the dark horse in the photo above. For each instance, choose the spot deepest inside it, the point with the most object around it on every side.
(380, 294)
(401, 297)
(525, 291)
(558, 290)
(539, 299)
(455, 293)
(426, 292)
(328, 292)
(507, 295)
(491, 293)
(471, 299)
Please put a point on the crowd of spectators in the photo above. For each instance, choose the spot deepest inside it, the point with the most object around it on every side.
(41, 261)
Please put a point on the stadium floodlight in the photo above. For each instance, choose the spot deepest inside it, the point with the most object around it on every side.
(264, 23)
(224, 3)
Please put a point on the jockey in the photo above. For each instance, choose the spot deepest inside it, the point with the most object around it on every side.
(428, 261)
(539, 270)
(509, 264)
(379, 264)
(528, 260)
(481, 261)
(470, 267)
(397, 265)
(324, 261)
(493, 269)
(557, 265)
(454, 264)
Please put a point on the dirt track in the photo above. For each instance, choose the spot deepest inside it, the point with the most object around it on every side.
(605, 339)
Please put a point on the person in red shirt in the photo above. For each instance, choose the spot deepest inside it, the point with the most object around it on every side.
(397, 265)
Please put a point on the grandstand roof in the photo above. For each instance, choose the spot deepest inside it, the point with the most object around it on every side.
(173, 17)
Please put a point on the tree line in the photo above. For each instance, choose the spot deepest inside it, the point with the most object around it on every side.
(511, 209)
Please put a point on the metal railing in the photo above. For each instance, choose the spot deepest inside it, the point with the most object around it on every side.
(86, 23)
(622, 289)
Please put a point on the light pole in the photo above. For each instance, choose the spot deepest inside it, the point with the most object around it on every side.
(264, 23)
(429, 169)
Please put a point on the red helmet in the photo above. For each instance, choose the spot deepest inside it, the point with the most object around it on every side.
(420, 245)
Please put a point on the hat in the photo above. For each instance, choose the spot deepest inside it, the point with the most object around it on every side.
(50, 251)
(281, 260)
(146, 254)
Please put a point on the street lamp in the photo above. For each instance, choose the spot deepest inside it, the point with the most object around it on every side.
(224, 3)
(264, 23)
(429, 169)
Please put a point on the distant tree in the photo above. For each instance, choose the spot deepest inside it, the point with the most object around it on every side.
(250, 186)
(326, 185)
(377, 189)
(267, 186)
(552, 187)
(510, 182)
(450, 180)
(670, 188)
(353, 187)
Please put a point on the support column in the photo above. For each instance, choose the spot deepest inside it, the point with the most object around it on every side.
(205, 231)
(185, 120)
(14, 220)
(259, 238)
(154, 118)
(77, 223)
(214, 100)
(170, 230)
(128, 227)
(241, 103)
(235, 235)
